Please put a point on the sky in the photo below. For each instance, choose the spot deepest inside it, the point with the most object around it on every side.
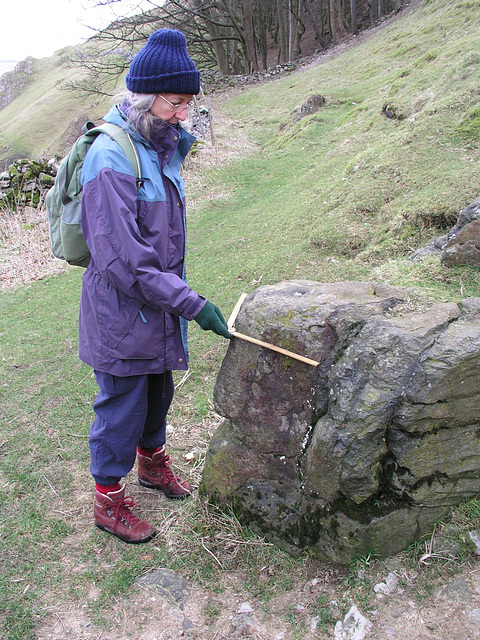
(38, 28)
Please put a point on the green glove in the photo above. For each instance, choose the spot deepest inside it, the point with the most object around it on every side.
(210, 319)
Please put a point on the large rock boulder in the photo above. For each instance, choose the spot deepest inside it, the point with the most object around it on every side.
(367, 450)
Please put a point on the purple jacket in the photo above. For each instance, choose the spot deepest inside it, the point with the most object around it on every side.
(133, 291)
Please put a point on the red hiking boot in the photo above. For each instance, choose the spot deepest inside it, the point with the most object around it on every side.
(155, 473)
(112, 514)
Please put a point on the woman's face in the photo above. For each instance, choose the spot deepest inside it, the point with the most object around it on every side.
(171, 107)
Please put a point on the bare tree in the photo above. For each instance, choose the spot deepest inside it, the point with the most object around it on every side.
(316, 27)
(231, 36)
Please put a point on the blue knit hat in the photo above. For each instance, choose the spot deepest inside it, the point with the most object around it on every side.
(163, 66)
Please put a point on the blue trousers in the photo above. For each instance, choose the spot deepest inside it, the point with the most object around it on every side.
(129, 412)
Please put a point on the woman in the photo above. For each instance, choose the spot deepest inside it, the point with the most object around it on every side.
(135, 302)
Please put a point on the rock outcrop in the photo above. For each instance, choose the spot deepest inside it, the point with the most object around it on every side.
(461, 245)
(12, 82)
(364, 452)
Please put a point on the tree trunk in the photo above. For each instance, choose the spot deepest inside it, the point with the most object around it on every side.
(218, 47)
(239, 28)
(353, 14)
(221, 57)
(316, 28)
(290, 30)
(336, 21)
(262, 26)
(299, 28)
(249, 33)
(282, 32)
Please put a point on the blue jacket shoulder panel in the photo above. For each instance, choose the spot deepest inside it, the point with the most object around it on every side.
(105, 153)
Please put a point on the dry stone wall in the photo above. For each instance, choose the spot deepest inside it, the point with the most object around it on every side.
(364, 452)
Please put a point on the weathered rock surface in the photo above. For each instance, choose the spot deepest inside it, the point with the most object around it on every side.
(464, 247)
(310, 106)
(461, 245)
(168, 583)
(364, 452)
(12, 82)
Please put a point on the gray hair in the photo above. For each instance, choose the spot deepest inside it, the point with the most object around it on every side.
(138, 111)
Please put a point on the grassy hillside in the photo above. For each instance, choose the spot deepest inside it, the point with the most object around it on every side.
(38, 122)
(344, 194)
(348, 192)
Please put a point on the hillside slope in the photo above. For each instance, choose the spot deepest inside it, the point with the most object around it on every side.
(44, 118)
(385, 166)
(40, 120)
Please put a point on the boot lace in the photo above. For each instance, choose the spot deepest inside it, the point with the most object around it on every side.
(123, 514)
(168, 476)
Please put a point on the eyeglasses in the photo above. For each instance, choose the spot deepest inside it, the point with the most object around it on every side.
(177, 108)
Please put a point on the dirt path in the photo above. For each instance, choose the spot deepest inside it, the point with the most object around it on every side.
(450, 612)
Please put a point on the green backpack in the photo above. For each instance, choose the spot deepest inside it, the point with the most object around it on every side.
(64, 200)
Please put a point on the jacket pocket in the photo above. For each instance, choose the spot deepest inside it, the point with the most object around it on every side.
(137, 332)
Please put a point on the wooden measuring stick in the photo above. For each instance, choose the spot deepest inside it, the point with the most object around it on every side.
(267, 345)
(234, 314)
(260, 343)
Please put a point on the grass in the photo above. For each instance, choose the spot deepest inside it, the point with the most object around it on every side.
(345, 194)
(348, 183)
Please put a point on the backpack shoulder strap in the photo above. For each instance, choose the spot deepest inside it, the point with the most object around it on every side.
(126, 143)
